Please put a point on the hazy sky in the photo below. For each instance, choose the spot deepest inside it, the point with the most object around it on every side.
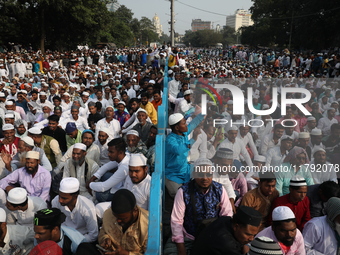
(184, 14)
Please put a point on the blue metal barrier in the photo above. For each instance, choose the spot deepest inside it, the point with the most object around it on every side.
(155, 242)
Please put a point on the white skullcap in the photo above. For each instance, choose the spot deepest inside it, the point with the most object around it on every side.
(188, 92)
(121, 102)
(142, 110)
(9, 103)
(2, 94)
(33, 154)
(233, 128)
(298, 181)
(317, 149)
(260, 158)
(304, 135)
(9, 116)
(80, 146)
(3, 215)
(69, 185)
(265, 106)
(17, 196)
(316, 131)
(175, 118)
(137, 159)
(7, 127)
(42, 93)
(203, 161)
(66, 94)
(86, 94)
(105, 130)
(230, 102)
(286, 137)
(310, 118)
(132, 132)
(281, 213)
(152, 82)
(35, 131)
(28, 140)
(170, 72)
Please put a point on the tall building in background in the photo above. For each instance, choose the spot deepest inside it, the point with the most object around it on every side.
(241, 18)
(198, 24)
(112, 7)
(157, 24)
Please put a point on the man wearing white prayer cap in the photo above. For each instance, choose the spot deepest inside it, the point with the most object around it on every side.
(177, 169)
(143, 126)
(134, 143)
(21, 128)
(18, 112)
(26, 144)
(102, 140)
(319, 161)
(80, 167)
(285, 232)
(109, 122)
(22, 207)
(296, 200)
(14, 238)
(33, 177)
(311, 124)
(80, 212)
(9, 118)
(138, 182)
(9, 144)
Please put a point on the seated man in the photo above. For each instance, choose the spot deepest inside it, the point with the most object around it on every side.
(318, 196)
(143, 127)
(134, 143)
(53, 130)
(80, 212)
(73, 135)
(80, 167)
(14, 238)
(125, 227)
(26, 144)
(22, 208)
(198, 200)
(33, 177)
(296, 200)
(262, 197)
(285, 232)
(321, 233)
(48, 144)
(229, 235)
(112, 174)
(138, 182)
(47, 226)
(102, 140)
(263, 246)
(9, 144)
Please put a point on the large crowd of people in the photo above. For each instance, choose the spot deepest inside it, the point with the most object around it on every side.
(78, 132)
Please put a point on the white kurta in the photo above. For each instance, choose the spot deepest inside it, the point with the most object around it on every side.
(82, 217)
(18, 238)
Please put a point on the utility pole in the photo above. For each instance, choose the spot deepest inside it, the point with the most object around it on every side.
(172, 23)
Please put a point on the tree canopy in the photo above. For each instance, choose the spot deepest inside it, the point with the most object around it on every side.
(62, 24)
(301, 24)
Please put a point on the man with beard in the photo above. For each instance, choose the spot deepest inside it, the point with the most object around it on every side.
(48, 144)
(47, 226)
(149, 108)
(134, 143)
(101, 142)
(323, 170)
(143, 126)
(94, 115)
(125, 227)
(138, 182)
(109, 122)
(43, 100)
(33, 177)
(14, 238)
(26, 144)
(81, 123)
(20, 128)
(9, 144)
(53, 130)
(80, 167)
(285, 232)
(185, 105)
(80, 212)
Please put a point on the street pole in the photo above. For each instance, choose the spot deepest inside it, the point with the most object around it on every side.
(172, 24)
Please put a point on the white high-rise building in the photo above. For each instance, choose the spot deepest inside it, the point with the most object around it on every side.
(157, 24)
(241, 18)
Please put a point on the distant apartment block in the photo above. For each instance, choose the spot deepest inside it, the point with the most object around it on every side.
(198, 24)
(241, 18)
